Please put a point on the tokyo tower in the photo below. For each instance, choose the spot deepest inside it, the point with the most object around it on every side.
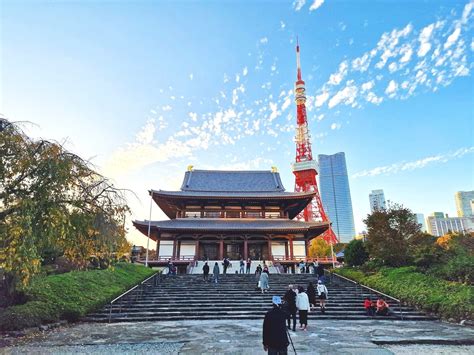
(305, 168)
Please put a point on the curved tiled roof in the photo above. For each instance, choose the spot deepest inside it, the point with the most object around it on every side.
(232, 181)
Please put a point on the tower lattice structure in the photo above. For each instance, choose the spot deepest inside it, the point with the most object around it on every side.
(305, 168)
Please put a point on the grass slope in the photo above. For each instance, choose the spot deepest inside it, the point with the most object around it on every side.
(71, 295)
(445, 298)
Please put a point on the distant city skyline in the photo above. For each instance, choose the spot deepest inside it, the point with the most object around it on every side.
(336, 194)
(463, 201)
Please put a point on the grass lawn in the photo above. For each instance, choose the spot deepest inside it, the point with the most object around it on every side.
(71, 295)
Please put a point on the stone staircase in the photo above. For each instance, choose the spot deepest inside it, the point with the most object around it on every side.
(188, 297)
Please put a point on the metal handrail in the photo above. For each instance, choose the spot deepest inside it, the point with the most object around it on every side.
(370, 289)
(140, 285)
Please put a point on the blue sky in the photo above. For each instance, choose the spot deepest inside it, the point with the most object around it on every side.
(145, 88)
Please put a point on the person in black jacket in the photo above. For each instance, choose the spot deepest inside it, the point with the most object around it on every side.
(311, 292)
(290, 306)
(275, 340)
(205, 272)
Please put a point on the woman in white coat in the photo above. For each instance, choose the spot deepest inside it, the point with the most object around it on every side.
(322, 295)
(302, 303)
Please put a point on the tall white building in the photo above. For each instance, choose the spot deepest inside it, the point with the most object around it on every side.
(463, 203)
(377, 200)
(439, 226)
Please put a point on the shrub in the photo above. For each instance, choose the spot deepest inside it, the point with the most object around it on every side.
(71, 295)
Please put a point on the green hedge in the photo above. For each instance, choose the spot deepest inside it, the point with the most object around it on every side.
(445, 298)
(71, 295)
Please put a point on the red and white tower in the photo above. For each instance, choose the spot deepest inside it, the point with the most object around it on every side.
(305, 168)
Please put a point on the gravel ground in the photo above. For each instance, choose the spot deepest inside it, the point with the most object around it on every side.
(430, 349)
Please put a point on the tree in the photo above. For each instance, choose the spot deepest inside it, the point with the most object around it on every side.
(391, 231)
(319, 248)
(52, 203)
(356, 254)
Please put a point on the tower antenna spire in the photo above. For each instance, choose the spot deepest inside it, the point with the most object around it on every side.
(298, 65)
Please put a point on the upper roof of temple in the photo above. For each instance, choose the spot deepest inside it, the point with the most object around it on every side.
(232, 181)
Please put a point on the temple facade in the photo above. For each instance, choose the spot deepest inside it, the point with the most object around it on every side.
(234, 214)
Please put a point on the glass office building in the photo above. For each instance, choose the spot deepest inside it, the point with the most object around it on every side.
(336, 194)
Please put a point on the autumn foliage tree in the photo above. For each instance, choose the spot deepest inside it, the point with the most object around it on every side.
(52, 203)
(319, 248)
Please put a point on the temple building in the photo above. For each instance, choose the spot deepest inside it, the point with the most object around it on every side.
(234, 214)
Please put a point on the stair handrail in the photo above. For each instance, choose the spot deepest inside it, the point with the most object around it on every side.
(139, 285)
(370, 289)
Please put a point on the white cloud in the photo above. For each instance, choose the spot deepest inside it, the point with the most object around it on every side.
(413, 165)
(391, 88)
(264, 40)
(298, 4)
(336, 78)
(193, 116)
(245, 71)
(367, 86)
(346, 96)
(191, 76)
(237, 78)
(452, 38)
(321, 99)
(282, 25)
(424, 38)
(166, 108)
(362, 63)
(335, 126)
(316, 5)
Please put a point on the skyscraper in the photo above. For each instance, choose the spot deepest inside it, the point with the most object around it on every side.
(420, 218)
(377, 200)
(463, 203)
(336, 194)
(440, 225)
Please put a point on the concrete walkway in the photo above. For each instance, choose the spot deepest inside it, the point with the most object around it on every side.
(244, 337)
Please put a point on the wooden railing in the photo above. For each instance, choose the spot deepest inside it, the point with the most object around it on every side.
(296, 259)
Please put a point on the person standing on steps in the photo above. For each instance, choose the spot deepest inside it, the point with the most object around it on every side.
(320, 272)
(382, 307)
(290, 302)
(302, 303)
(242, 264)
(215, 272)
(205, 272)
(275, 339)
(225, 263)
(249, 263)
(322, 295)
(264, 282)
(311, 292)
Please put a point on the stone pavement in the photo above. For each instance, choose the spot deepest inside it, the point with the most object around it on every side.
(244, 337)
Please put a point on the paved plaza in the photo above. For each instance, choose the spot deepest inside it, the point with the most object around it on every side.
(245, 337)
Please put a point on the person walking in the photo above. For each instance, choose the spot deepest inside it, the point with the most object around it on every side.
(311, 292)
(301, 267)
(249, 263)
(320, 271)
(264, 282)
(275, 339)
(322, 295)
(302, 303)
(369, 307)
(205, 272)
(216, 272)
(242, 264)
(382, 307)
(290, 303)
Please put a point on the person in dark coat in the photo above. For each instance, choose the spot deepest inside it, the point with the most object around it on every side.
(311, 292)
(290, 305)
(205, 272)
(216, 272)
(275, 340)
(226, 263)
(320, 271)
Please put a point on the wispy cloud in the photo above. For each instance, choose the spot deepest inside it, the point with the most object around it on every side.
(316, 5)
(413, 165)
(403, 62)
(298, 4)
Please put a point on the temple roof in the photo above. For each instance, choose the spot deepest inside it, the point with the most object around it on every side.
(212, 225)
(232, 181)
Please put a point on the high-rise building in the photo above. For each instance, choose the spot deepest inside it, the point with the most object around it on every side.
(336, 194)
(463, 203)
(439, 226)
(420, 218)
(377, 200)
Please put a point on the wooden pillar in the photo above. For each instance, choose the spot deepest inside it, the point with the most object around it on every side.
(286, 249)
(196, 252)
(174, 249)
(269, 247)
(292, 256)
(221, 249)
(246, 249)
(306, 248)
